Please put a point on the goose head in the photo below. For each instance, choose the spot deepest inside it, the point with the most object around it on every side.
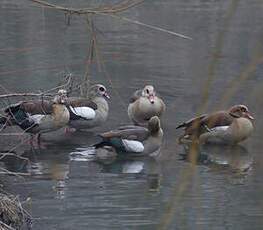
(238, 111)
(149, 93)
(98, 90)
(154, 124)
(61, 97)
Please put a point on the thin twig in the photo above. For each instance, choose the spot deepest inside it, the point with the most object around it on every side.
(110, 12)
(118, 8)
(6, 226)
(42, 94)
(5, 154)
(148, 26)
(69, 80)
(7, 172)
(25, 95)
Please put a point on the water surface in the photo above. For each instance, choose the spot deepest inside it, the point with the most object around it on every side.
(225, 55)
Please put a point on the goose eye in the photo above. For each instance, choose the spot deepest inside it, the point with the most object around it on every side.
(101, 89)
(243, 109)
(147, 91)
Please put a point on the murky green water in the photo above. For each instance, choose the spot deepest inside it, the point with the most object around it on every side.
(223, 191)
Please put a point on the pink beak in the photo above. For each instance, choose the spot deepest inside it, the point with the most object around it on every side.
(151, 98)
(106, 95)
(249, 116)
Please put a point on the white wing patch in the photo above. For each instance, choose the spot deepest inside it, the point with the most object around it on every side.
(220, 128)
(84, 112)
(36, 118)
(133, 146)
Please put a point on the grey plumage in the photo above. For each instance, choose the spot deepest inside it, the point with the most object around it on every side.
(145, 141)
(145, 104)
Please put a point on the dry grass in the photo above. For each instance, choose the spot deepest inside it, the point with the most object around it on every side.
(12, 214)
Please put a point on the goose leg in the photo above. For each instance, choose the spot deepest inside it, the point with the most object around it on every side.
(40, 143)
(38, 138)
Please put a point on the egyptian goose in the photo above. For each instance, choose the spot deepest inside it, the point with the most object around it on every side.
(227, 127)
(145, 104)
(39, 116)
(134, 140)
(91, 111)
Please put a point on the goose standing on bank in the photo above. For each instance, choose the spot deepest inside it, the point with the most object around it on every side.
(224, 127)
(89, 112)
(39, 116)
(134, 140)
(145, 104)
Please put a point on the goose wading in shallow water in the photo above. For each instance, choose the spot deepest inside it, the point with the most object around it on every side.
(145, 104)
(38, 116)
(89, 112)
(134, 140)
(223, 127)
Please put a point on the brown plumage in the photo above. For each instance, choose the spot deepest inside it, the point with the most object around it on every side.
(202, 124)
(37, 106)
(38, 116)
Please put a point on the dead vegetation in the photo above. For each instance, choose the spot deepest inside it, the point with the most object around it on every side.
(12, 214)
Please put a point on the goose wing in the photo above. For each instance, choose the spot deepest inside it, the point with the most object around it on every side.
(83, 112)
(192, 121)
(32, 107)
(138, 133)
(82, 102)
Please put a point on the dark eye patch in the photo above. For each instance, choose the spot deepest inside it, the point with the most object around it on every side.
(101, 89)
(243, 109)
(147, 91)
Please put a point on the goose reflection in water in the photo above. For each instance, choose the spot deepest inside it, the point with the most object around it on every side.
(147, 168)
(235, 158)
(110, 162)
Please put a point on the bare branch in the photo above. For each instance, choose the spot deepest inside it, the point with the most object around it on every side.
(149, 26)
(6, 226)
(25, 95)
(7, 172)
(111, 11)
(44, 94)
(5, 154)
(124, 5)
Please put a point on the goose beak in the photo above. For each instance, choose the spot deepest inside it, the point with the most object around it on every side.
(106, 95)
(249, 116)
(151, 98)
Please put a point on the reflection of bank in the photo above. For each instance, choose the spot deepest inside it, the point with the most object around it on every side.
(235, 158)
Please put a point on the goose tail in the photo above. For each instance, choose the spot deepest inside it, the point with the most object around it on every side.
(18, 116)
